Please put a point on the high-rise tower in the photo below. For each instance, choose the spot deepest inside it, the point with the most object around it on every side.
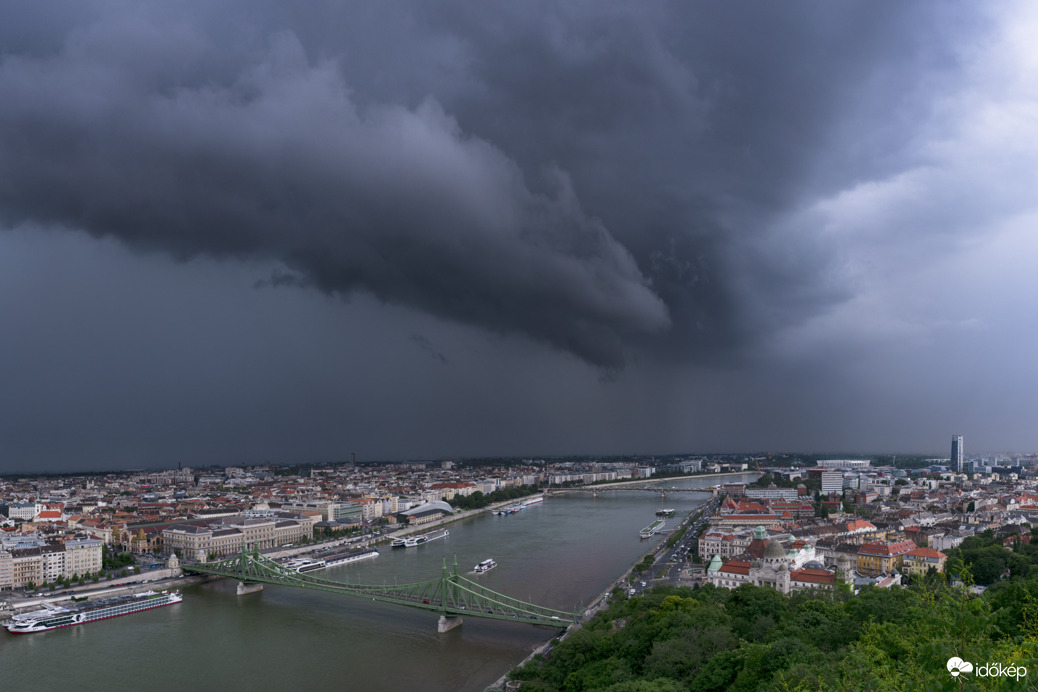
(958, 464)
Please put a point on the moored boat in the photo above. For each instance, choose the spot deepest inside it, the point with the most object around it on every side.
(303, 564)
(652, 528)
(352, 556)
(61, 616)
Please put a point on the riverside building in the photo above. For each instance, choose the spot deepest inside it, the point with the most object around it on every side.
(230, 535)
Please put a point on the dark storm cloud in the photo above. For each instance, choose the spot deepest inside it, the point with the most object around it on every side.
(596, 176)
(693, 128)
(281, 164)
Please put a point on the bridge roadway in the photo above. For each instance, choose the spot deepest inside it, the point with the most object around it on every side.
(452, 595)
(596, 489)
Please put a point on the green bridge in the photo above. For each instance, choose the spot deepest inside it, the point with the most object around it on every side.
(451, 596)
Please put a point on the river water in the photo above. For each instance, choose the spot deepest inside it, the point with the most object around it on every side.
(561, 553)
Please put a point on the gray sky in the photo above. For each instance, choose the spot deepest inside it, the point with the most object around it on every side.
(244, 231)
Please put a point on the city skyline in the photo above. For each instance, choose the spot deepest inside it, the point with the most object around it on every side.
(246, 233)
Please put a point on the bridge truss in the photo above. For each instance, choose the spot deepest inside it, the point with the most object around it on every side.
(452, 595)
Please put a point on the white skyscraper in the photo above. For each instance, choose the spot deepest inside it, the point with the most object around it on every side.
(958, 464)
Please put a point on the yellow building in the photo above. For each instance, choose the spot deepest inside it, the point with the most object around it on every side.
(882, 557)
(82, 557)
(920, 560)
(27, 567)
(6, 571)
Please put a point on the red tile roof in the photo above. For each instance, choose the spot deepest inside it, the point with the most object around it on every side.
(887, 549)
(735, 567)
(815, 576)
(926, 552)
(860, 525)
(750, 518)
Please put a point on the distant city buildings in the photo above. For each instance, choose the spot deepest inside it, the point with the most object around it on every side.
(771, 493)
(55, 528)
(844, 464)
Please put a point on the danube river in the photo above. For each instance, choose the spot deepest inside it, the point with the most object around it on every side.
(561, 553)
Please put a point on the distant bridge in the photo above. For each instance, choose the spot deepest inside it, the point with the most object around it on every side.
(452, 595)
(596, 489)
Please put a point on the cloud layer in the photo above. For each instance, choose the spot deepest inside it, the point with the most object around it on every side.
(280, 164)
(752, 209)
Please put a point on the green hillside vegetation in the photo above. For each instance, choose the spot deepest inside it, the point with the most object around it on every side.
(753, 638)
(478, 500)
(989, 561)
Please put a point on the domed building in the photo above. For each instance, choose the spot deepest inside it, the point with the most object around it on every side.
(767, 563)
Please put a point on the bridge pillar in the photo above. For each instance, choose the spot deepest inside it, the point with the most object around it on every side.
(244, 588)
(446, 624)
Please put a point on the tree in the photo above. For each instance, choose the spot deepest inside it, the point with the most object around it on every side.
(755, 611)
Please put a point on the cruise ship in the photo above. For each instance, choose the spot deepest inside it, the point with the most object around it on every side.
(54, 617)
(352, 556)
(484, 566)
(653, 528)
(512, 509)
(303, 565)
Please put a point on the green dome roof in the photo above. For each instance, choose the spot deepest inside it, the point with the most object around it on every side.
(774, 550)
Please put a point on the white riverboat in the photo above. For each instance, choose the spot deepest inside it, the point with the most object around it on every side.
(484, 566)
(55, 617)
(303, 565)
(352, 556)
(653, 528)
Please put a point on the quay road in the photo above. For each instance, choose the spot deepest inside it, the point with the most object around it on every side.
(673, 561)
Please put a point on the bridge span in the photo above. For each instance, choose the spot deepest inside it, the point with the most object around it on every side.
(596, 489)
(451, 595)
